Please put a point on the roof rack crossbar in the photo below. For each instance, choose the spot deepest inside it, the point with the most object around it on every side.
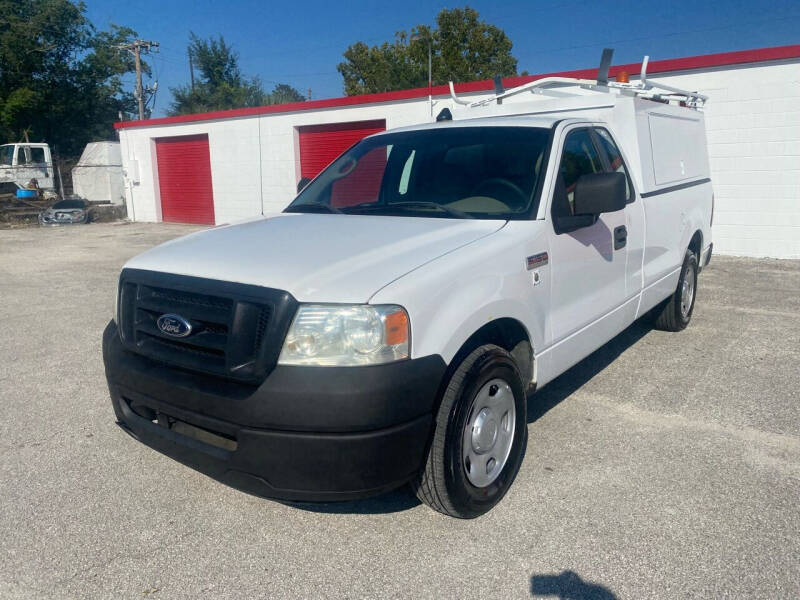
(643, 74)
(678, 91)
(455, 98)
(539, 83)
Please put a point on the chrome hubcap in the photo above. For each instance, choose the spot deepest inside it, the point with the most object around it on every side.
(488, 433)
(687, 293)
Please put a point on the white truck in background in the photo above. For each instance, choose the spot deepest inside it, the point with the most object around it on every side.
(389, 325)
(27, 184)
(20, 163)
(96, 177)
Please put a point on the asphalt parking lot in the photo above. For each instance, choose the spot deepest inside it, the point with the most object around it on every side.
(662, 466)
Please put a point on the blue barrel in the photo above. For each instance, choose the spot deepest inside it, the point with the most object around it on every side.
(27, 193)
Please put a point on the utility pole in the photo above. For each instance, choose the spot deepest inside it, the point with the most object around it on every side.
(139, 93)
(137, 48)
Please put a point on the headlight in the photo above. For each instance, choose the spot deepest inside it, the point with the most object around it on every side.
(341, 335)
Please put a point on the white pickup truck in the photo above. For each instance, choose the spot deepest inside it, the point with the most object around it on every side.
(389, 325)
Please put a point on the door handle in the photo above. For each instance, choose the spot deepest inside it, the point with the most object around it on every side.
(620, 237)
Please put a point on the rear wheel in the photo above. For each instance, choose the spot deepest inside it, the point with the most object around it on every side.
(480, 436)
(677, 310)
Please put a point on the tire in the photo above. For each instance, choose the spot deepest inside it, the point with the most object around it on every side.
(676, 312)
(481, 391)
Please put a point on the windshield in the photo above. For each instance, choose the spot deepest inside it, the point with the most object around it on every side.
(456, 172)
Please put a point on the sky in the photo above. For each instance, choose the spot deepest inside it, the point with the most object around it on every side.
(301, 44)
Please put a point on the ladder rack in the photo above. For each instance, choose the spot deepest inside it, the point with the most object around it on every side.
(643, 88)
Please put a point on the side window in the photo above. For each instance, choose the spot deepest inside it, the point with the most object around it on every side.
(37, 156)
(615, 159)
(23, 155)
(580, 157)
(6, 155)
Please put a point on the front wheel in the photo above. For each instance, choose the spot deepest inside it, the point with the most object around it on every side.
(677, 310)
(480, 436)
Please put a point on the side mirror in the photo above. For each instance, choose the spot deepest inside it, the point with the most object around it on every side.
(304, 181)
(598, 193)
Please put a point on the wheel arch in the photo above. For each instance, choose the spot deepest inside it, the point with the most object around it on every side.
(507, 333)
(696, 244)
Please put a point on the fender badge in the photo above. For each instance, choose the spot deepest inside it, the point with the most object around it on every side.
(537, 260)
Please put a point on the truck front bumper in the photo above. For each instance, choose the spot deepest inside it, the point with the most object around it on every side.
(303, 434)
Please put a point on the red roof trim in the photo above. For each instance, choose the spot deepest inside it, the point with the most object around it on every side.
(659, 66)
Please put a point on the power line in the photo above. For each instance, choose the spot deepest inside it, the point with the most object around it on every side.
(674, 33)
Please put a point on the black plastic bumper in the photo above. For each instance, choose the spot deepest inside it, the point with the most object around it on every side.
(304, 434)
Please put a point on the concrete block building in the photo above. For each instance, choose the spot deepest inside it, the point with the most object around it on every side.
(220, 167)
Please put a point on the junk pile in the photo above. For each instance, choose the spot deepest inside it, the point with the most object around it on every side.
(98, 175)
(96, 179)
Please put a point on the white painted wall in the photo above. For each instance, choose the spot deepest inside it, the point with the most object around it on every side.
(753, 131)
(253, 159)
(752, 123)
(235, 170)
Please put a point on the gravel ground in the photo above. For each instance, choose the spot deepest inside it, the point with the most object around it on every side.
(664, 465)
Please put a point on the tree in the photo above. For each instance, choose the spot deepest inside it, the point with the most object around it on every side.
(283, 94)
(221, 85)
(60, 79)
(464, 48)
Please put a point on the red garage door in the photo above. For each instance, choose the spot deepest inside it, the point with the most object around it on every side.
(184, 177)
(320, 144)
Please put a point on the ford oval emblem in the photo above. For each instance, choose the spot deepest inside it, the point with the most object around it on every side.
(174, 325)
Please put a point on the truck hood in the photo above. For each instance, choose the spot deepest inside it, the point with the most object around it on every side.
(316, 258)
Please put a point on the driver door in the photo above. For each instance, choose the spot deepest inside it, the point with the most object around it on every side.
(588, 266)
(32, 164)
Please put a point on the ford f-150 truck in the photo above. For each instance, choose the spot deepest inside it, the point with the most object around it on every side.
(390, 324)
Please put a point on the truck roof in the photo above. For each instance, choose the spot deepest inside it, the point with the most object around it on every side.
(545, 122)
(25, 144)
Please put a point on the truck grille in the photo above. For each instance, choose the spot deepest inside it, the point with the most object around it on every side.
(236, 330)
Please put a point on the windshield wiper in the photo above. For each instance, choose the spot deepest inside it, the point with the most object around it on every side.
(419, 204)
(313, 206)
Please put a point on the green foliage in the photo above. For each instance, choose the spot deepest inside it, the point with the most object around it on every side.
(464, 48)
(20, 106)
(220, 84)
(59, 77)
(283, 94)
(470, 49)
